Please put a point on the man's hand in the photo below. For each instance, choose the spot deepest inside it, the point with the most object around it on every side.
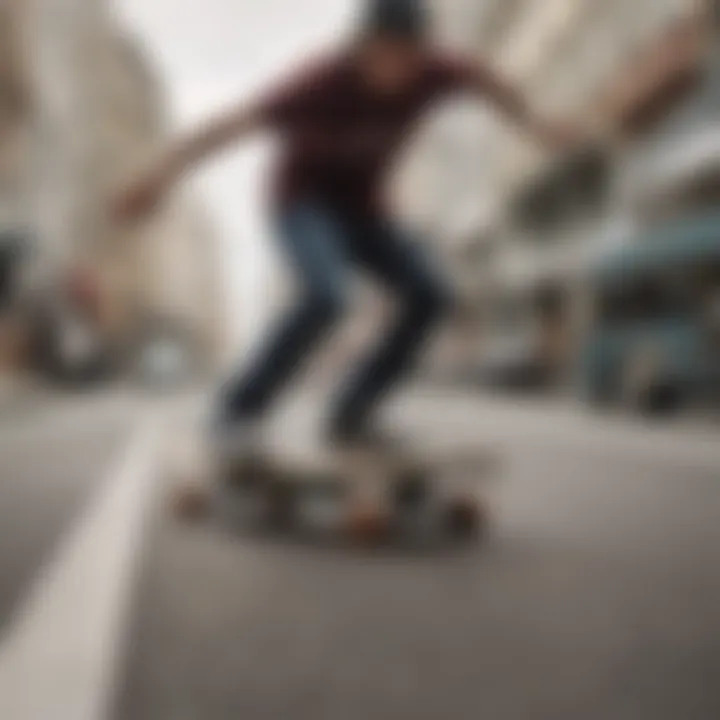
(142, 196)
(490, 85)
(559, 136)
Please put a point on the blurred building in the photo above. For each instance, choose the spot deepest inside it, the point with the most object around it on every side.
(14, 115)
(96, 112)
(643, 76)
(15, 111)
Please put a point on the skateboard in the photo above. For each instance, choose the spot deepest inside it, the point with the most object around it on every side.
(362, 495)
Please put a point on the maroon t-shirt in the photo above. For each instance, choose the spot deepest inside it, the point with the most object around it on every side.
(340, 137)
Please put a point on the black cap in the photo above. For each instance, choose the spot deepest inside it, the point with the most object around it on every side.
(404, 19)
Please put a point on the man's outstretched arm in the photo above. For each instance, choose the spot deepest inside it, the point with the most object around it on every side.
(492, 87)
(146, 190)
(212, 137)
(275, 109)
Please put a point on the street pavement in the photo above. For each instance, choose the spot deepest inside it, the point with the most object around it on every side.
(54, 450)
(596, 597)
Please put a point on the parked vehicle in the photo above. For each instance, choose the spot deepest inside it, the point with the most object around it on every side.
(655, 341)
(516, 365)
(525, 350)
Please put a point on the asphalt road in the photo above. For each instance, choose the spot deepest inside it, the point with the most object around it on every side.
(53, 454)
(597, 596)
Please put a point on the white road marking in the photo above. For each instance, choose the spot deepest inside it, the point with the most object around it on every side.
(60, 657)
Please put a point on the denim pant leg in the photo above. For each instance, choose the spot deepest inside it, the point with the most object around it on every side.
(403, 268)
(314, 244)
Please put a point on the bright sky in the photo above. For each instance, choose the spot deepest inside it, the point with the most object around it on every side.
(212, 53)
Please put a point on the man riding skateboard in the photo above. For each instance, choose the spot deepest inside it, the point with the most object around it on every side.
(342, 122)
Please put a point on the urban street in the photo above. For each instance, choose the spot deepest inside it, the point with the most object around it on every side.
(595, 595)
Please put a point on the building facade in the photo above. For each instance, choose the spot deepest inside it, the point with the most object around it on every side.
(638, 74)
(97, 113)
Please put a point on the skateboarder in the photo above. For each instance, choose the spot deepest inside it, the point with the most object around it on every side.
(342, 121)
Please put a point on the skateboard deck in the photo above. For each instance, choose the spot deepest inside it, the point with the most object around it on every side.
(363, 495)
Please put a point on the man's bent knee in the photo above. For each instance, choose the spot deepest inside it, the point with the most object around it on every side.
(431, 300)
(326, 306)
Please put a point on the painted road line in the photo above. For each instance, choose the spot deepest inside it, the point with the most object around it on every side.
(61, 655)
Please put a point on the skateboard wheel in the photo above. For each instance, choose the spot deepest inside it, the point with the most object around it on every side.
(190, 503)
(368, 526)
(465, 518)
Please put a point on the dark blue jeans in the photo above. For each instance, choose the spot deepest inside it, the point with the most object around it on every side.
(324, 248)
